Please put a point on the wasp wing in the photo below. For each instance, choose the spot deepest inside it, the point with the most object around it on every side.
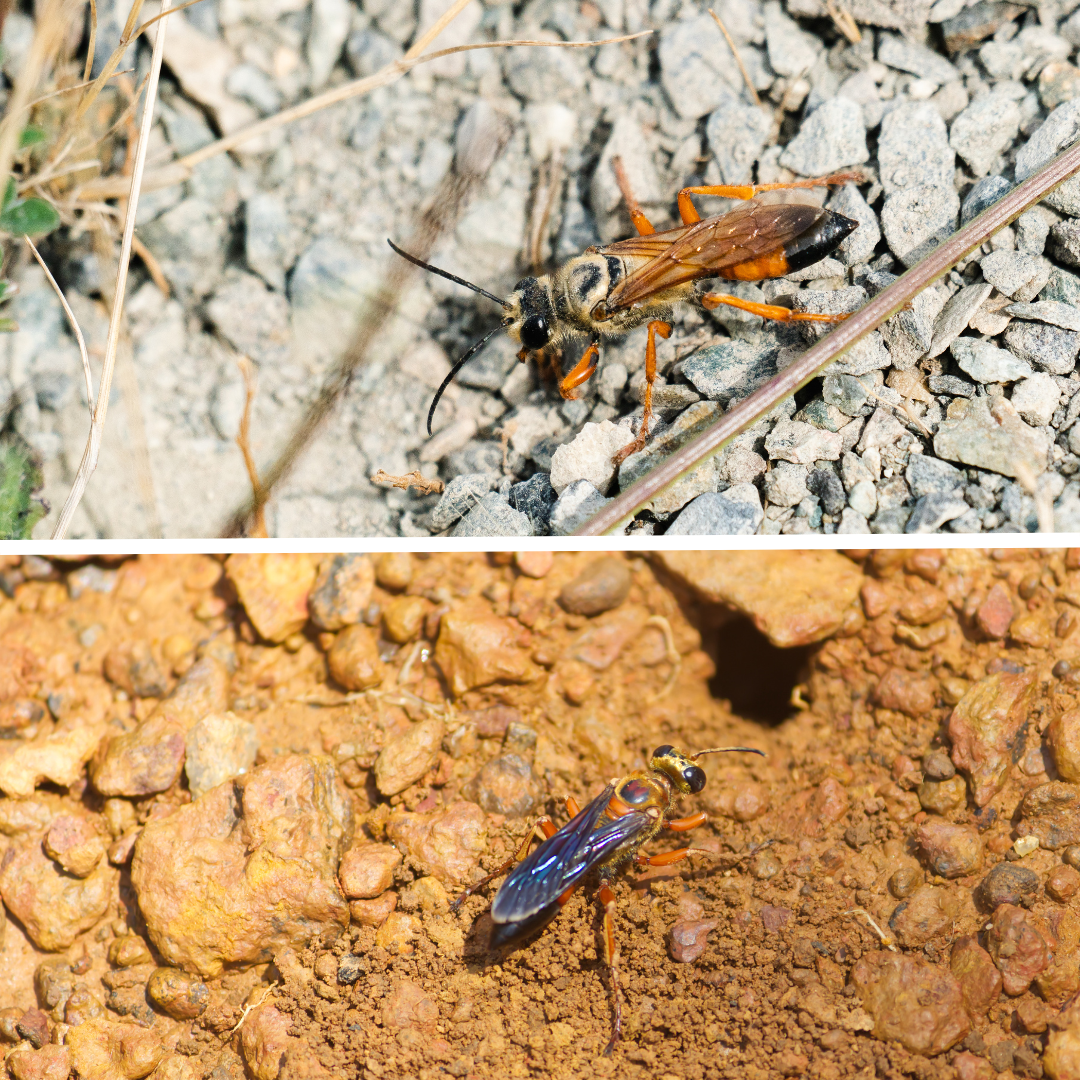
(564, 859)
(703, 249)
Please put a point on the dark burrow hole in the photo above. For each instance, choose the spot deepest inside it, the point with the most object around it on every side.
(754, 675)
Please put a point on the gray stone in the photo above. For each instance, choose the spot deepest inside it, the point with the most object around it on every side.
(968, 522)
(929, 476)
(843, 301)
(858, 246)
(785, 484)
(1067, 509)
(189, 243)
(575, 506)
(863, 498)
(826, 485)
(934, 510)
(891, 493)
(1047, 347)
(734, 512)
(917, 219)
(219, 747)
(984, 194)
(1032, 229)
(250, 84)
(821, 414)
(488, 370)
(1067, 316)
(802, 443)
(534, 498)
(890, 521)
(851, 521)
(732, 369)
(899, 53)
(998, 441)
(976, 22)
(588, 456)
(853, 470)
(330, 21)
(909, 333)
(1017, 275)
(545, 75)
(882, 429)
(738, 323)
(610, 382)
(369, 51)
(984, 130)
(824, 268)
(1065, 241)
(459, 496)
(694, 69)
(792, 52)
(253, 318)
(736, 133)
(845, 392)
(986, 363)
(914, 151)
(493, 516)
(1035, 399)
(955, 316)
(951, 385)
(268, 247)
(477, 455)
(1062, 286)
(739, 464)
(831, 137)
(1060, 129)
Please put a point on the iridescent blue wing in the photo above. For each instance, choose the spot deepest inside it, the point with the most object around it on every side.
(564, 859)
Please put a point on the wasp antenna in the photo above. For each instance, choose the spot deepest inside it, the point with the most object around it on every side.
(455, 369)
(726, 750)
(450, 277)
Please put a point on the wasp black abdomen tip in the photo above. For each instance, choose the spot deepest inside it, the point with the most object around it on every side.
(820, 239)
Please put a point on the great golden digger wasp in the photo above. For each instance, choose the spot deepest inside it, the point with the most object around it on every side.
(606, 835)
(608, 291)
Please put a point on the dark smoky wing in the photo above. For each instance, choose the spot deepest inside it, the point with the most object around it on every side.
(563, 860)
(704, 249)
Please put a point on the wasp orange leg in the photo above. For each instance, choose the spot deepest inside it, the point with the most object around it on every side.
(684, 823)
(572, 807)
(606, 897)
(581, 372)
(688, 212)
(544, 829)
(766, 311)
(633, 207)
(669, 857)
(664, 330)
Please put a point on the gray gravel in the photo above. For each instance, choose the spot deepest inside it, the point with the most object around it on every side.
(934, 423)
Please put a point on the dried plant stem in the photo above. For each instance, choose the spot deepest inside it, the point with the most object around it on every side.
(243, 440)
(738, 58)
(176, 172)
(91, 44)
(101, 405)
(74, 323)
(888, 302)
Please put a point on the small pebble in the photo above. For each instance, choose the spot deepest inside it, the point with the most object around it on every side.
(689, 939)
(350, 968)
(367, 869)
(937, 765)
(177, 993)
(354, 659)
(905, 881)
(1008, 884)
(505, 785)
(534, 564)
(764, 865)
(1063, 883)
(1025, 845)
(403, 618)
(603, 585)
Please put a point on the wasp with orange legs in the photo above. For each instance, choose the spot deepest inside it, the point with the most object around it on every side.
(610, 290)
(606, 835)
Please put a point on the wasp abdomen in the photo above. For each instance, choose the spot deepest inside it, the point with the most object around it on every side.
(820, 238)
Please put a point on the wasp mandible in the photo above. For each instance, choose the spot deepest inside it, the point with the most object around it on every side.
(608, 291)
(606, 835)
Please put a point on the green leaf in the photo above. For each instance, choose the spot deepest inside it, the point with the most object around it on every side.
(31, 135)
(20, 480)
(8, 326)
(9, 194)
(29, 217)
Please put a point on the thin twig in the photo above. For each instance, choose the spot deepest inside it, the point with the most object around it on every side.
(671, 654)
(243, 440)
(620, 510)
(101, 406)
(844, 22)
(738, 58)
(153, 267)
(71, 89)
(176, 172)
(72, 320)
(90, 45)
(415, 479)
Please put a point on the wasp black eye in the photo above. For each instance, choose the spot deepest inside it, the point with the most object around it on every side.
(535, 332)
(662, 751)
(695, 777)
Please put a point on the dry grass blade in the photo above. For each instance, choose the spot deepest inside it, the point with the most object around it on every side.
(738, 58)
(74, 323)
(243, 440)
(888, 302)
(91, 44)
(101, 405)
(178, 171)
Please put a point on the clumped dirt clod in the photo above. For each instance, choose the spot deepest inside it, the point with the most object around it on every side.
(913, 914)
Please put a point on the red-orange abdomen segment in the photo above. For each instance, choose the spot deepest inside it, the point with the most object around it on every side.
(775, 264)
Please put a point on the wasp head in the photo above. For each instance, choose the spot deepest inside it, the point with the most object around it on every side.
(530, 316)
(679, 768)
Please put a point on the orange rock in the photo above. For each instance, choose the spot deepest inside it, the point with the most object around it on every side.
(913, 693)
(132, 666)
(951, 851)
(246, 869)
(1063, 738)
(58, 757)
(181, 995)
(103, 1050)
(911, 1001)
(743, 800)
(404, 760)
(408, 1006)
(142, 762)
(980, 980)
(83, 697)
(793, 597)
(75, 843)
(1063, 883)
(600, 643)
(398, 932)
(477, 648)
(342, 591)
(970, 1067)
(1021, 945)
(924, 607)
(354, 659)
(403, 617)
(264, 1038)
(603, 584)
(203, 689)
(447, 842)
(995, 613)
(1051, 813)
(274, 590)
(985, 729)
(373, 912)
(534, 564)
(53, 906)
(689, 938)
(367, 870)
(927, 912)
(51, 1062)
(394, 570)
(129, 950)
(1061, 1059)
